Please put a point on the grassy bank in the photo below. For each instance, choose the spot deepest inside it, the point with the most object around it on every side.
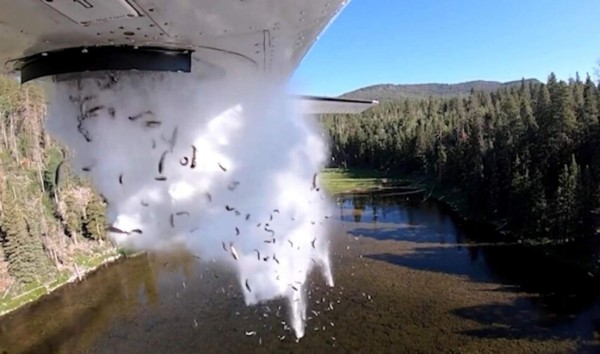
(83, 263)
(336, 181)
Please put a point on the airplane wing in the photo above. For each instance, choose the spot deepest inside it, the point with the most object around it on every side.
(212, 39)
(325, 105)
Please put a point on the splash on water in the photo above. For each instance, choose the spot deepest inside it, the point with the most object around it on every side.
(226, 169)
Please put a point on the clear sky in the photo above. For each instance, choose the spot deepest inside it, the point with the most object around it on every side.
(449, 41)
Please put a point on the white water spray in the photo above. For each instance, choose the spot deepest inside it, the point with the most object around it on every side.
(226, 169)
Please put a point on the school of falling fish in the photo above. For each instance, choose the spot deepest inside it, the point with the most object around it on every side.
(147, 119)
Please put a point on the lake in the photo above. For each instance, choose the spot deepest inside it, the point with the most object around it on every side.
(409, 277)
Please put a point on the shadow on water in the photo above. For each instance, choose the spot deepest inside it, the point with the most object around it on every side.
(557, 302)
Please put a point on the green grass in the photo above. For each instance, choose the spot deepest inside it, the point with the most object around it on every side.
(336, 181)
(15, 299)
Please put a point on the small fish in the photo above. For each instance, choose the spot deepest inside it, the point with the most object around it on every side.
(270, 231)
(233, 185)
(153, 144)
(271, 217)
(237, 231)
(291, 243)
(247, 216)
(266, 258)
(228, 208)
(58, 173)
(144, 204)
(275, 258)
(111, 112)
(161, 162)
(258, 225)
(184, 161)
(208, 196)
(87, 168)
(139, 115)
(136, 231)
(248, 286)
(293, 287)
(250, 333)
(121, 178)
(193, 165)
(268, 241)
(237, 213)
(276, 211)
(160, 178)
(93, 110)
(222, 168)
(233, 251)
(314, 182)
(313, 242)
(257, 254)
(173, 139)
(224, 246)
(179, 213)
(116, 230)
(172, 220)
(153, 123)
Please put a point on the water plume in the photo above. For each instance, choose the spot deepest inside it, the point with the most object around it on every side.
(226, 169)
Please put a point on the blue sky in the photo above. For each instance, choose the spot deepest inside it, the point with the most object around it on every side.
(419, 41)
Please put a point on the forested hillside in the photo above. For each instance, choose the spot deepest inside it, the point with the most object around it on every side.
(527, 156)
(49, 220)
(395, 92)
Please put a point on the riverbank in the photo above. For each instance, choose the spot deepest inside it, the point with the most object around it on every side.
(83, 265)
(578, 257)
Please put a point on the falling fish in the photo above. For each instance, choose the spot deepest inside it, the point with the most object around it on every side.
(160, 178)
(237, 231)
(233, 251)
(112, 112)
(224, 246)
(257, 254)
(171, 141)
(313, 242)
(247, 216)
(222, 168)
(291, 243)
(276, 211)
(275, 258)
(136, 231)
(250, 333)
(58, 173)
(139, 115)
(87, 169)
(314, 182)
(121, 178)
(184, 161)
(208, 196)
(193, 165)
(116, 230)
(161, 162)
(144, 204)
(228, 208)
(233, 185)
(248, 286)
(172, 220)
(179, 213)
(153, 123)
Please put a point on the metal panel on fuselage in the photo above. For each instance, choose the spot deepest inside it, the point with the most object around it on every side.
(268, 36)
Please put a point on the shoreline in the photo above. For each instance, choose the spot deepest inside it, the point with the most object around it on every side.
(78, 274)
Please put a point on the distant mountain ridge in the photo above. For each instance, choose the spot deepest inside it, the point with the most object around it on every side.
(387, 92)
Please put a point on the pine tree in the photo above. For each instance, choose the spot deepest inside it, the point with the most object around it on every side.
(23, 252)
(94, 221)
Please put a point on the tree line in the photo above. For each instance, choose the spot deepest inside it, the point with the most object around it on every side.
(48, 217)
(525, 156)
